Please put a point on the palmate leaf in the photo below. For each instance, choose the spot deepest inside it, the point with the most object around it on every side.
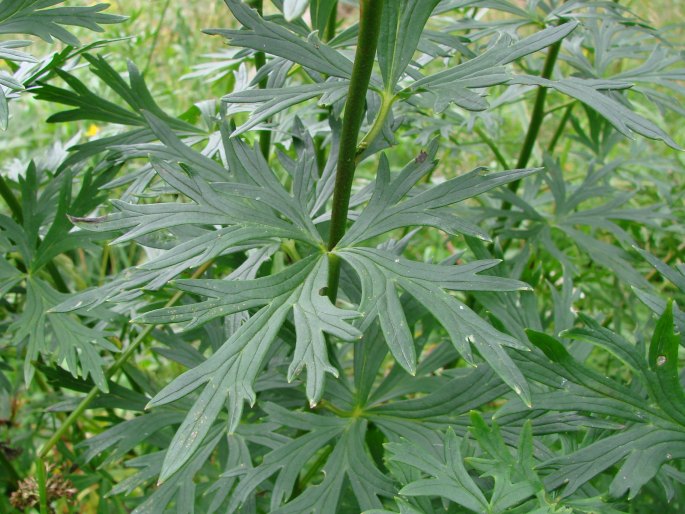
(232, 370)
(514, 475)
(655, 431)
(286, 459)
(350, 460)
(509, 461)
(387, 209)
(89, 106)
(180, 488)
(618, 40)
(347, 460)
(487, 69)
(47, 332)
(271, 38)
(620, 116)
(42, 235)
(249, 211)
(582, 212)
(381, 273)
(658, 70)
(34, 17)
(268, 102)
(450, 479)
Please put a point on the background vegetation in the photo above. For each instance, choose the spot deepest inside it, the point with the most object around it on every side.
(614, 286)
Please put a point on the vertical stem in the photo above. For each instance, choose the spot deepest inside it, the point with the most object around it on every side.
(536, 118)
(42, 486)
(155, 36)
(259, 62)
(538, 112)
(369, 29)
(560, 128)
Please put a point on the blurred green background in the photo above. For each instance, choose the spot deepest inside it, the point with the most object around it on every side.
(164, 38)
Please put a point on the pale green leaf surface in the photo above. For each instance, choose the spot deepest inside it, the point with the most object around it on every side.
(449, 476)
(293, 9)
(270, 37)
(402, 23)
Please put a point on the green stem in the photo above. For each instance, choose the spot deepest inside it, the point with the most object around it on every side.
(369, 29)
(313, 470)
(493, 147)
(538, 113)
(42, 486)
(92, 394)
(155, 36)
(535, 120)
(560, 129)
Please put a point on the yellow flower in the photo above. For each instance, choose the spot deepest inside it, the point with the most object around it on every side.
(93, 130)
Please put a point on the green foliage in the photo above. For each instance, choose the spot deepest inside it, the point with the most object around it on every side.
(199, 315)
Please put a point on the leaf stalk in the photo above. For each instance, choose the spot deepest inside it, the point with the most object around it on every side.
(387, 99)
